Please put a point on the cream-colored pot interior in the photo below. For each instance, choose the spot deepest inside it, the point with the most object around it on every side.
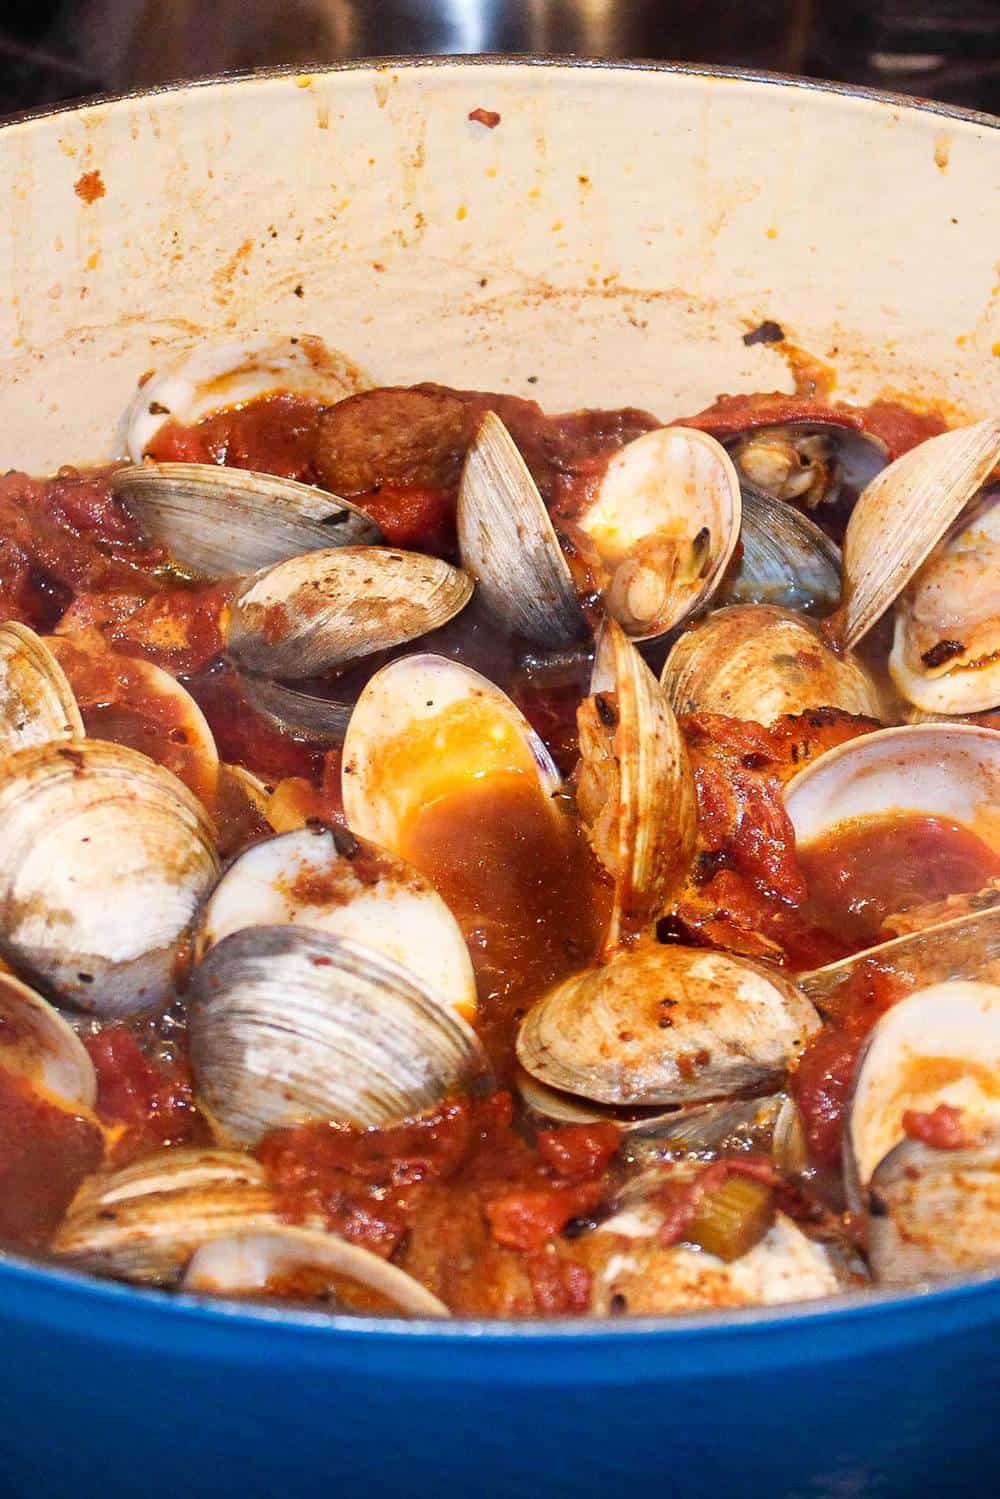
(610, 241)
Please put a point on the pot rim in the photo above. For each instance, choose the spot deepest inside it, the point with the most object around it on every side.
(17, 1270)
(520, 60)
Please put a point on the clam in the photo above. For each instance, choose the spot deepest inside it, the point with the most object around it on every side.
(940, 1045)
(633, 1274)
(635, 787)
(104, 858)
(810, 463)
(332, 881)
(218, 522)
(424, 727)
(755, 661)
(665, 521)
(213, 377)
(784, 559)
(289, 1024)
(132, 702)
(311, 613)
(292, 711)
(37, 705)
(946, 645)
(666, 1025)
(509, 545)
(37, 1044)
(902, 515)
(934, 1212)
(306, 1264)
(144, 1222)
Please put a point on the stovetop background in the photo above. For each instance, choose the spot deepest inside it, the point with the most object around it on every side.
(942, 49)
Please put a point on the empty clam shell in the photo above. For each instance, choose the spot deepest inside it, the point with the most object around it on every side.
(785, 559)
(934, 1212)
(143, 1223)
(758, 662)
(311, 613)
(940, 1045)
(633, 1274)
(509, 545)
(665, 521)
(946, 646)
(212, 377)
(330, 880)
(661, 1025)
(104, 858)
(255, 1263)
(945, 770)
(37, 1044)
(635, 786)
(289, 1024)
(811, 463)
(37, 705)
(423, 727)
(220, 522)
(903, 514)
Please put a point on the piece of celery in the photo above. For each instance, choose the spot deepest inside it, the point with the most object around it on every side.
(732, 1217)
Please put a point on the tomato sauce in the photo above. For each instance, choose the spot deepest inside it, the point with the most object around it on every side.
(862, 872)
(45, 1152)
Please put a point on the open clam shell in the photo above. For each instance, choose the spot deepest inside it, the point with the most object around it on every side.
(903, 514)
(946, 644)
(807, 462)
(311, 613)
(104, 858)
(37, 705)
(292, 711)
(509, 544)
(934, 1212)
(635, 787)
(212, 377)
(665, 521)
(940, 1045)
(289, 1024)
(37, 1044)
(256, 1263)
(332, 881)
(423, 727)
(945, 770)
(218, 522)
(143, 1223)
(755, 661)
(666, 1025)
(785, 559)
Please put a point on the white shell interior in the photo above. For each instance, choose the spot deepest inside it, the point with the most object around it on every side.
(612, 240)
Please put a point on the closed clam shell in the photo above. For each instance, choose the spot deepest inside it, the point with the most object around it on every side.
(940, 1045)
(212, 377)
(903, 514)
(104, 859)
(252, 1263)
(424, 727)
(218, 522)
(934, 1212)
(38, 1045)
(755, 661)
(665, 521)
(666, 1025)
(635, 786)
(946, 644)
(785, 559)
(509, 544)
(143, 1223)
(332, 881)
(37, 705)
(311, 613)
(289, 1024)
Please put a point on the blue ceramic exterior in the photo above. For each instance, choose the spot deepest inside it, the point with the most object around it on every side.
(112, 1392)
